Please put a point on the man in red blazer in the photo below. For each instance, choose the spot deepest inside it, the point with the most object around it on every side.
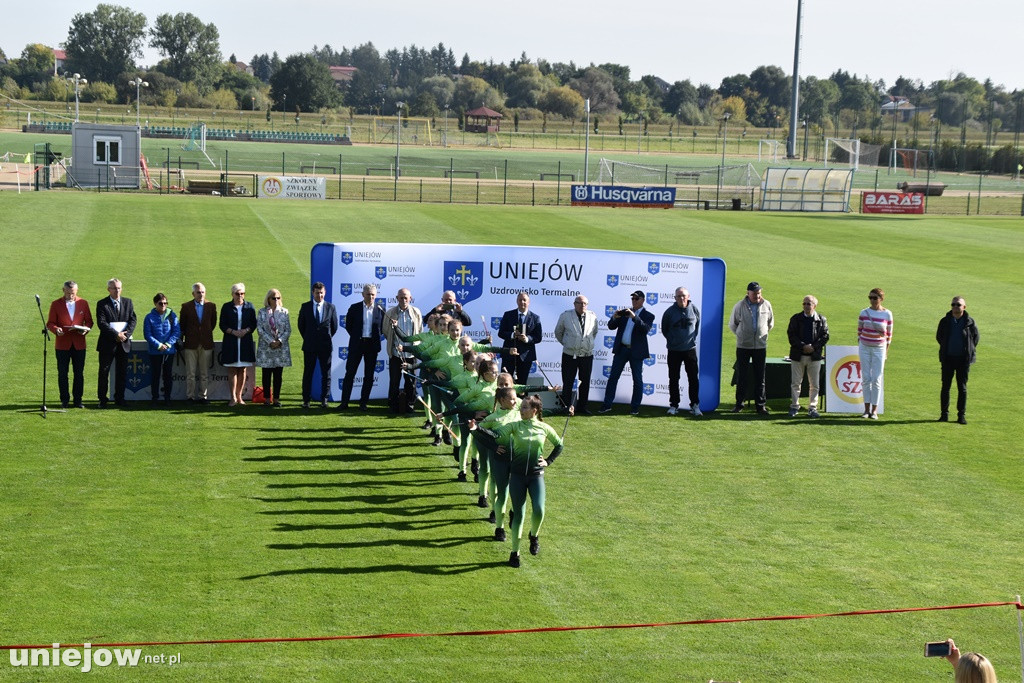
(198, 319)
(68, 316)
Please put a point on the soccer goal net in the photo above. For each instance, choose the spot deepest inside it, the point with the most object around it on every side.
(624, 173)
(910, 159)
(769, 148)
(415, 130)
(851, 152)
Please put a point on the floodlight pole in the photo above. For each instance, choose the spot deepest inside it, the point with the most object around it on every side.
(725, 134)
(77, 80)
(398, 147)
(794, 103)
(446, 105)
(138, 83)
(586, 148)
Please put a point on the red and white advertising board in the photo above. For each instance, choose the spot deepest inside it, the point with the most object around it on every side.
(892, 202)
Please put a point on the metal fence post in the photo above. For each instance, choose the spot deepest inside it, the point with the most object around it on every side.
(339, 176)
(504, 183)
(282, 163)
(451, 176)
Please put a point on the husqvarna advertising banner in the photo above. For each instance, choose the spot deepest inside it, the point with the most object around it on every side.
(487, 278)
(616, 195)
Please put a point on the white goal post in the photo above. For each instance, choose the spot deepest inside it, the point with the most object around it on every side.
(771, 149)
(909, 159)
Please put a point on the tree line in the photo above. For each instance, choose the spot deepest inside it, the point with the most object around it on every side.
(104, 46)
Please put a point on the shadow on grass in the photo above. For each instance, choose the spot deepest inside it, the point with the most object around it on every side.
(408, 511)
(430, 569)
(441, 543)
(394, 526)
(372, 500)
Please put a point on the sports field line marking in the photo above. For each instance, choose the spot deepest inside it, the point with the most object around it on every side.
(300, 266)
(541, 629)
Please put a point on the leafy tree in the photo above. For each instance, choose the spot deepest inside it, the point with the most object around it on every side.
(440, 88)
(679, 94)
(305, 83)
(192, 48)
(525, 86)
(262, 67)
(596, 85)
(424, 105)
(735, 107)
(222, 99)
(364, 91)
(104, 44)
(471, 92)
(566, 72)
(10, 88)
(443, 60)
(773, 84)
(734, 85)
(563, 101)
(35, 65)
(98, 91)
(250, 91)
(819, 98)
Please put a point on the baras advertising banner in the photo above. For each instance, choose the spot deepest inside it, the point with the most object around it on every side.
(487, 278)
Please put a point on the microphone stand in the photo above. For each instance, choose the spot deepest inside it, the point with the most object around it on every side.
(46, 339)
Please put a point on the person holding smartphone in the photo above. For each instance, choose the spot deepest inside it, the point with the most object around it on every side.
(970, 667)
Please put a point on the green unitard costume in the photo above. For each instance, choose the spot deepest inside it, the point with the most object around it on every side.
(497, 465)
(524, 442)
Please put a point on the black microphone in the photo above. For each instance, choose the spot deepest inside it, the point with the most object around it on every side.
(37, 300)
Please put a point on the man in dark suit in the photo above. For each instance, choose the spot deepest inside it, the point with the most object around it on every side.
(363, 323)
(520, 329)
(632, 325)
(198, 319)
(115, 316)
(318, 323)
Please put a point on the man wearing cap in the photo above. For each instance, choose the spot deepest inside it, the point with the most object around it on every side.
(958, 336)
(632, 325)
(751, 321)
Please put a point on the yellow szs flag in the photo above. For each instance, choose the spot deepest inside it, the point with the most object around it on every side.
(28, 158)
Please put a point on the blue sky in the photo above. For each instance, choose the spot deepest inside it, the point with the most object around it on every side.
(701, 41)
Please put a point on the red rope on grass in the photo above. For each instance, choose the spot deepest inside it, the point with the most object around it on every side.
(542, 629)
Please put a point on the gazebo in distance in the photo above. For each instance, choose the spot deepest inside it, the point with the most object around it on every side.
(482, 120)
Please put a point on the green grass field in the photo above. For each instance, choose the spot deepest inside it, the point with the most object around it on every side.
(205, 524)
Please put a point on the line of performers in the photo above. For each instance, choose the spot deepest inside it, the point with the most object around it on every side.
(500, 437)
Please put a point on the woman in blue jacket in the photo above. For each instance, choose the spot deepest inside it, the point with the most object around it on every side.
(162, 332)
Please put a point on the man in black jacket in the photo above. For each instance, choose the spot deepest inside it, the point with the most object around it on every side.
(957, 336)
(808, 334)
(115, 318)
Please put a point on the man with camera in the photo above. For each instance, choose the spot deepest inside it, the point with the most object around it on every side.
(632, 325)
(450, 307)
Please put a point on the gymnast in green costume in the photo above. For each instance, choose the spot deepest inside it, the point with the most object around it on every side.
(524, 442)
(506, 411)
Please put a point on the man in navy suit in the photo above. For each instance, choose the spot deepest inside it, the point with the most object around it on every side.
(115, 317)
(363, 323)
(520, 329)
(318, 323)
(632, 325)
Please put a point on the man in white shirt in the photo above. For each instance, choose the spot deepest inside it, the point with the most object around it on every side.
(576, 331)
